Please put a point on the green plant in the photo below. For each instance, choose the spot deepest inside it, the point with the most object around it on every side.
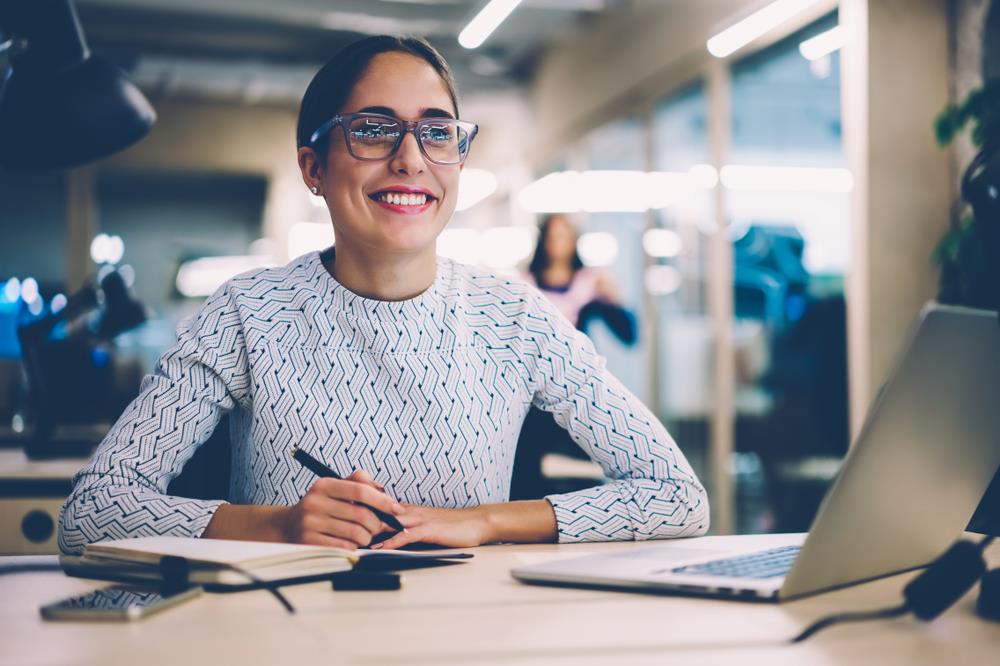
(981, 106)
(963, 252)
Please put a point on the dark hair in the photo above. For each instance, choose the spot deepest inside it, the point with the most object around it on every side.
(540, 260)
(333, 84)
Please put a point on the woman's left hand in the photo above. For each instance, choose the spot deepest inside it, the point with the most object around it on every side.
(454, 528)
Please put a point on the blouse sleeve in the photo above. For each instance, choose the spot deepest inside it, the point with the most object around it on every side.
(121, 492)
(653, 492)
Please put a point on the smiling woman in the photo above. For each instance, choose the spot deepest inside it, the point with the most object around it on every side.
(406, 373)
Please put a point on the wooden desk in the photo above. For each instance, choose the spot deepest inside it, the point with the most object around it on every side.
(475, 613)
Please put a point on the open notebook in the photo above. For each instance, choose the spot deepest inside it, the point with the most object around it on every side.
(210, 561)
(220, 561)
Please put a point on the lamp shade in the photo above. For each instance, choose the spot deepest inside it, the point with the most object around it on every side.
(62, 106)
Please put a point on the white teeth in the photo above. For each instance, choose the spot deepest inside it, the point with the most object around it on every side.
(403, 199)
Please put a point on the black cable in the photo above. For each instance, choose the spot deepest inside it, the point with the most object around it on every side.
(175, 574)
(273, 589)
(928, 595)
(818, 625)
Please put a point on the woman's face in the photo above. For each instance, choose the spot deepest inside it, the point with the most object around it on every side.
(560, 240)
(407, 87)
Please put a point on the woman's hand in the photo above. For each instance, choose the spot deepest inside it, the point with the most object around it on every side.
(455, 528)
(330, 513)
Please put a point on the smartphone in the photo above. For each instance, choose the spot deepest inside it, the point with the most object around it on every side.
(116, 604)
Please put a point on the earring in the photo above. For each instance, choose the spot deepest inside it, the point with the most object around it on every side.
(314, 189)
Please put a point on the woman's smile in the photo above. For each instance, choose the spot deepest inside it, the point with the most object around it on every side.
(404, 200)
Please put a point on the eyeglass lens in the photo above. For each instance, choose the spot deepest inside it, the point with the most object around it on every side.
(443, 141)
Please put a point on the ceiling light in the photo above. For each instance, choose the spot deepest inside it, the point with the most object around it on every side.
(12, 290)
(597, 248)
(759, 23)
(58, 302)
(614, 191)
(823, 44)
(662, 280)
(116, 249)
(786, 179)
(485, 22)
(29, 290)
(552, 193)
(662, 243)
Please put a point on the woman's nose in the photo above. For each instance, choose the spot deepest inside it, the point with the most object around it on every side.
(408, 159)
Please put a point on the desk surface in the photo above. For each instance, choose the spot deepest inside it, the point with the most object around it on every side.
(475, 613)
(14, 464)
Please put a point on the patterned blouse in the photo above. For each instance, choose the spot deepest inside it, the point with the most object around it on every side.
(428, 395)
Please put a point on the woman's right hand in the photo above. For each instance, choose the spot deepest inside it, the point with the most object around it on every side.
(330, 513)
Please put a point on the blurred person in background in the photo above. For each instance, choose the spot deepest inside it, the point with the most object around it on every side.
(582, 295)
(407, 373)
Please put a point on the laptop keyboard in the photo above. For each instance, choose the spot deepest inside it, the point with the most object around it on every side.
(764, 564)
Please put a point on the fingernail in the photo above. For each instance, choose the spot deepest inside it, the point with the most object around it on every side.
(376, 546)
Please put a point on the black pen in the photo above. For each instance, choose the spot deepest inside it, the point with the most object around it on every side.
(321, 470)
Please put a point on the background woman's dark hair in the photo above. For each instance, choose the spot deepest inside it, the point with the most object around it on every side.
(540, 260)
(333, 84)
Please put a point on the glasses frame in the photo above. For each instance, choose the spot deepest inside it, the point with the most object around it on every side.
(409, 127)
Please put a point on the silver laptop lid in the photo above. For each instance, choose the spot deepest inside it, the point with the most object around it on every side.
(928, 450)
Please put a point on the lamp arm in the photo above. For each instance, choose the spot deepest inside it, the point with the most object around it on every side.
(14, 46)
(44, 33)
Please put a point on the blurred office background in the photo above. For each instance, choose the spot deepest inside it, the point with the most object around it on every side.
(768, 209)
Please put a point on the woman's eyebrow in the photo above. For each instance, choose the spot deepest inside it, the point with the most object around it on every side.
(436, 113)
(432, 112)
(384, 110)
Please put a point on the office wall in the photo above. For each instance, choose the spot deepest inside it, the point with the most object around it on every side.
(32, 225)
(203, 137)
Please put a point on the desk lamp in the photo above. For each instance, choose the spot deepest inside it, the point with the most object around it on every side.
(67, 364)
(61, 105)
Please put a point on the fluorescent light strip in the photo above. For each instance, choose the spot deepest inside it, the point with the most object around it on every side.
(485, 22)
(759, 23)
(785, 179)
(614, 191)
(823, 44)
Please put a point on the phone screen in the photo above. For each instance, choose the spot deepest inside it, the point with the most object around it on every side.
(121, 603)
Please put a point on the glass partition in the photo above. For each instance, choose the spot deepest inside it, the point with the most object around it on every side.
(787, 195)
(679, 270)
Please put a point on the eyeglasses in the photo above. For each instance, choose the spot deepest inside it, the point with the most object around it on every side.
(373, 136)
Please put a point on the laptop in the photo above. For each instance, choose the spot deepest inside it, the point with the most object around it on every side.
(928, 450)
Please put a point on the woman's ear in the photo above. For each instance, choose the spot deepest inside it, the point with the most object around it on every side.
(310, 166)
